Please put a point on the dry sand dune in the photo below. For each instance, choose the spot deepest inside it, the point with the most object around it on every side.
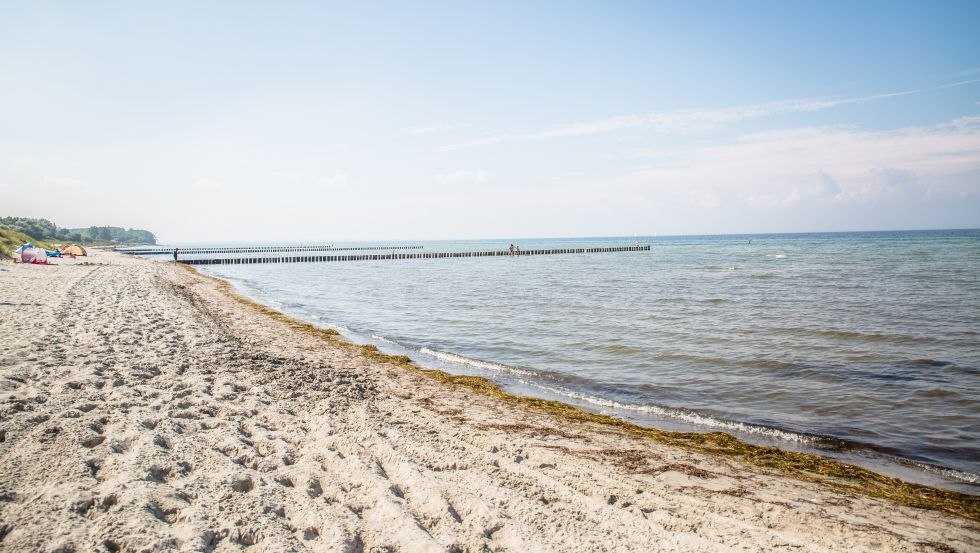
(141, 409)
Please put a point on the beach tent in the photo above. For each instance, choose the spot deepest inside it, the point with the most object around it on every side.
(72, 249)
(20, 251)
(36, 256)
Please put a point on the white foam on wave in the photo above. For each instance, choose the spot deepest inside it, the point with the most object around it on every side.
(686, 416)
(486, 365)
(949, 474)
(776, 255)
(385, 340)
(341, 329)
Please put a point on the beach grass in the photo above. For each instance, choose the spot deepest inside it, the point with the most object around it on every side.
(836, 475)
(10, 240)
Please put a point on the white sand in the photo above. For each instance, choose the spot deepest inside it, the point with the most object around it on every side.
(143, 410)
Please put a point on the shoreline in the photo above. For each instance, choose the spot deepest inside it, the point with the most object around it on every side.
(866, 456)
(805, 466)
(149, 408)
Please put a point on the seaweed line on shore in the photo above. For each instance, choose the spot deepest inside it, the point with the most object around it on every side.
(830, 473)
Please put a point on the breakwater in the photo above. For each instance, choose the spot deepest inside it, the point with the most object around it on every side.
(258, 249)
(405, 255)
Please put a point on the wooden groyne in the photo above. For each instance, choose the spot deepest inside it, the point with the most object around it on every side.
(257, 249)
(403, 255)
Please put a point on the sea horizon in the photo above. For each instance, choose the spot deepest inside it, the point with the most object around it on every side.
(630, 237)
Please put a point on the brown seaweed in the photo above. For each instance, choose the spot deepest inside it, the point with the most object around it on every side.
(833, 474)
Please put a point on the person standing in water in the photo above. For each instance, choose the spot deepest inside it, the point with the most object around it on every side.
(511, 249)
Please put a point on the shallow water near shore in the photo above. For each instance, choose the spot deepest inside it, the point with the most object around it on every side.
(863, 346)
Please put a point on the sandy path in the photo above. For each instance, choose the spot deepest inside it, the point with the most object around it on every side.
(142, 410)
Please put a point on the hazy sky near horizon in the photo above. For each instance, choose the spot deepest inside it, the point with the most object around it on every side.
(207, 121)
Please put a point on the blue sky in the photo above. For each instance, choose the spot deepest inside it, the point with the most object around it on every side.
(248, 121)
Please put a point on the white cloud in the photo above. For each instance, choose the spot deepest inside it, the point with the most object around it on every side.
(463, 177)
(60, 184)
(335, 181)
(64, 187)
(284, 175)
(820, 188)
(820, 165)
(688, 120)
(440, 127)
(691, 120)
(678, 121)
(485, 141)
(207, 184)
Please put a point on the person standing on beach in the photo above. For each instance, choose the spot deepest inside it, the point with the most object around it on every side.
(175, 255)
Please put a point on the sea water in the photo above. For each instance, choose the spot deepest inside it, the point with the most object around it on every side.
(861, 346)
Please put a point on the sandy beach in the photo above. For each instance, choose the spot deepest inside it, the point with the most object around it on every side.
(144, 409)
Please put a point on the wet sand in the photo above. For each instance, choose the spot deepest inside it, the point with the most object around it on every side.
(142, 409)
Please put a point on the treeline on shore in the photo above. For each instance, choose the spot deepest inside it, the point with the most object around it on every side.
(45, 230)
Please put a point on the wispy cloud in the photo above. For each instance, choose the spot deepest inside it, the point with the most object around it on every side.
(820, 164)
(335, 181)
(966, 72)
(463, 177)
(691, 120)
(60, 184)
(208, 184)
(484, 141)
(429, 129)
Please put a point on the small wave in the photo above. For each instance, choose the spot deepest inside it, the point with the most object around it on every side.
(688, 416)
(930, 363)
(776, 255)
(774, 364)
(851, 335)
(617, 349)
(385, 340)
(939, 393)
(486, 365)
(341, 329)
(949, 474)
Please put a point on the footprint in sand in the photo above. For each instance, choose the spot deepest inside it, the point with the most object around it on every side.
(314, 489)
(94, 465)
(242, 484)
(159, 474)
(167, 515)
(92, 441)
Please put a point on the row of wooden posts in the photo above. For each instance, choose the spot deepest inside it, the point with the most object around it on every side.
(405, 255)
